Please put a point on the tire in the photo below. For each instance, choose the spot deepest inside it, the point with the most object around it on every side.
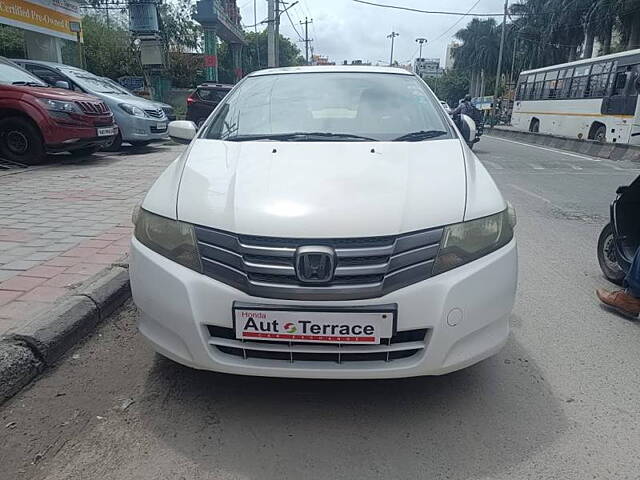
(21, 141)
(607, 256)
(115, 145)
(81, 152)
(601, 134)
(535, 126)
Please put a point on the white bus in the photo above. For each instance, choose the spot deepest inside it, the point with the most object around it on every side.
(595, 98)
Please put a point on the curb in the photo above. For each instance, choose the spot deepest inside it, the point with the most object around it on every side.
(610, 151)
(31, 348)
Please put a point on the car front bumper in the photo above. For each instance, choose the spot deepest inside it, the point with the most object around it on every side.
(139, 129)
(465, 310)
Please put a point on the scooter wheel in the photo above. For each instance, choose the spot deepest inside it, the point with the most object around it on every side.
(607, 257)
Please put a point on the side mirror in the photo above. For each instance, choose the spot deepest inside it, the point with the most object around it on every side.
(62, 84)
(182, 131)
(468, 129)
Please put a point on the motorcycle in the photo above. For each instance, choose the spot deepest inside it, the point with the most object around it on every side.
(620, 238)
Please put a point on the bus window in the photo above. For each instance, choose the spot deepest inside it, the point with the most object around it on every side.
(579, 82)
(539, 82)
(620, 82)
(549, 90)
(563, 92)
(597, 85)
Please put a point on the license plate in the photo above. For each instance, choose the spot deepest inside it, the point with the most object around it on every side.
(348, 326)
(161, 126)
(107, 131)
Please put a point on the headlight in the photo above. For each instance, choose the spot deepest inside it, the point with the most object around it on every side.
(170, 238)
(132, 110)
(59, 106)
(467, 241)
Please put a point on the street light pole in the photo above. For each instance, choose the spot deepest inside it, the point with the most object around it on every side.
(499, 71)
(421, 41)
(392, 36)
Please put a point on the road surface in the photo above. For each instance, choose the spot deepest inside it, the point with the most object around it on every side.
(561, 401)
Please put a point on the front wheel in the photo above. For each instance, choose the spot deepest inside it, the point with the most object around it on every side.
(140, 143)
(607, 257)
(21, 141)
(115, 145)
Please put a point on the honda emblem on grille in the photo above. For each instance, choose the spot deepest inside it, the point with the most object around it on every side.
(315, 264)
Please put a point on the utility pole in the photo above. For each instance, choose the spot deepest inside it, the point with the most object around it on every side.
(392, 36)
(271, 34)
(499, 71)
(513, 58)
(255, 29)
(277, 32)
(421, 41)
(306, 36)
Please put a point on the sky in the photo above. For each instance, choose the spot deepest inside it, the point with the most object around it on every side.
(346, 30)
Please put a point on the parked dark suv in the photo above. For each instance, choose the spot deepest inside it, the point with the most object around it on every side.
(204, 100)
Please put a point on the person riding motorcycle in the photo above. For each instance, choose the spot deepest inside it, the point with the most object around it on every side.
(465, 108)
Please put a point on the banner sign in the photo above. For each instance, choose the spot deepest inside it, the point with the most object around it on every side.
(50, 17)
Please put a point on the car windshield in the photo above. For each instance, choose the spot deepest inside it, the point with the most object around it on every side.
(12, 75)
(91, 82)
(345, 106)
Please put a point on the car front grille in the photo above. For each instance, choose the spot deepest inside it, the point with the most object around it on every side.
(403, 344)
(155, 113)
(365, 267)
(93, 108)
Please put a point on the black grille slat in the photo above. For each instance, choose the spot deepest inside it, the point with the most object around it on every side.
(365, 267)
(252, 349)
(93, 108)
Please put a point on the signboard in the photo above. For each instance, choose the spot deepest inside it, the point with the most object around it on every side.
(50, 17)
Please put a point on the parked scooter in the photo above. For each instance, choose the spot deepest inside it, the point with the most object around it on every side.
(620, 239)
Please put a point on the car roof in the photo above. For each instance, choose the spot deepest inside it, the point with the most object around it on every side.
(50, 64)
(330, 69)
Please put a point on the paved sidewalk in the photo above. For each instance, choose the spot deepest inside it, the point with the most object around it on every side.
(63, 223)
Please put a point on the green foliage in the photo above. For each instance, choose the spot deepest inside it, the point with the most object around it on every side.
(450, 87)
(178, 30)
(108, 50)
(12, 42)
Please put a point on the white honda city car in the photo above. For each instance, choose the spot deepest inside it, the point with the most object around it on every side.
(325, 222)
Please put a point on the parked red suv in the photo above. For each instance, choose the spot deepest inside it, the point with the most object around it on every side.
(36, 119)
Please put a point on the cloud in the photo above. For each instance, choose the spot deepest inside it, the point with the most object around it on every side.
(345, 30)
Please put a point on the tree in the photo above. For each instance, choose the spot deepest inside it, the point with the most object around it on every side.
(108, 50)
(450, 87)
(12, 42)
(478, 51)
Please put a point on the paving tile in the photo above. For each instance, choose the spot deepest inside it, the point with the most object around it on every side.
(117, 249)
(62, 261)
(43, 271)
(7, 296)
(7, 274)
(19, 310)
(86, 268)
(44, 294)
(103, 259)
(93, 243)
(21, 265)
(81, 252)
(42, 256)
(66, 280)
(21, 283)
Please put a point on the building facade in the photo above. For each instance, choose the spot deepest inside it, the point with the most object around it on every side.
(47, 24)
(428, 67)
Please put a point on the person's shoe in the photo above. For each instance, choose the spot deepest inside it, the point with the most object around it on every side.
(620, 301)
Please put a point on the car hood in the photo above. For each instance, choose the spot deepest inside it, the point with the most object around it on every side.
(323, 189)
(131, 100)
(55, 93)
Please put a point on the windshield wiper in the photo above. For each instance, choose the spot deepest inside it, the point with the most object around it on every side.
(298, 137)
(29, 84)
(419, 135)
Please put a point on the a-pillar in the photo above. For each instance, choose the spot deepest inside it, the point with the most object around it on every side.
(210, 53)
(236, 51)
